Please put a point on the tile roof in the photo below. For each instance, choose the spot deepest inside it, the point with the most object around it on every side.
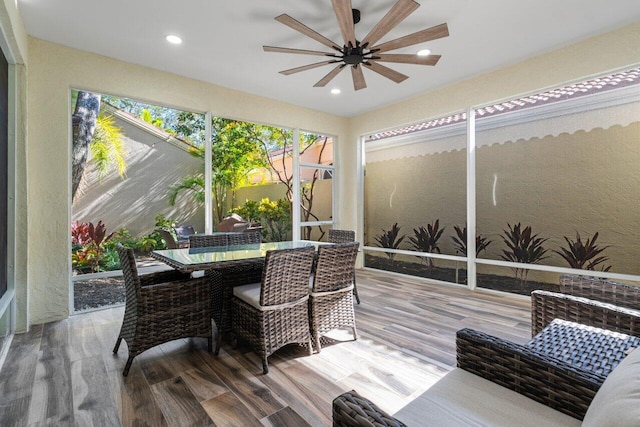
(589, 87)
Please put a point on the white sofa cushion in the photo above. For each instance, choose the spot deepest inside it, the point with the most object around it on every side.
(617, 403)
(461, 398)
(249, 294)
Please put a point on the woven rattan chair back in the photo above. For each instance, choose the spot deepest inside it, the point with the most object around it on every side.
(208, 240)
(161, 307)
(286, 275)
(601, 290)
(129, 271)
(335, 267)
(331, 301)
(341, 236)
(345, 236)
(168, 238)
(245, 238)
(283, 315)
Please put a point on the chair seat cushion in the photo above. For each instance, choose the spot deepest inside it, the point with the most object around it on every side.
(249, 293)
(463, 399)
(617, 403)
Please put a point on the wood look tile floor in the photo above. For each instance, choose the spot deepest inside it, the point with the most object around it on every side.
(64, 373)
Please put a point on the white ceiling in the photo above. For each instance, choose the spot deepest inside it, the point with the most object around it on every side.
(223, 40)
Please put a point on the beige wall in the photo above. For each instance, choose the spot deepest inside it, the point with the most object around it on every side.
(133, 202)
(583, 181)
(594, 56)
(53, 70)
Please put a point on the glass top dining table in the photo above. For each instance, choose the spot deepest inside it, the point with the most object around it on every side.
(211, 258)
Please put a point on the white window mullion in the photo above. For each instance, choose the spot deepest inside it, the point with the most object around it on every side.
(471, 198)
(295, 208)
(208, 152)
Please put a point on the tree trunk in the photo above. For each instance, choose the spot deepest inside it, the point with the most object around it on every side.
(84, 124)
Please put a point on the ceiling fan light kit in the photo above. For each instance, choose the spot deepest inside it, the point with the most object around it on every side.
(359, 54)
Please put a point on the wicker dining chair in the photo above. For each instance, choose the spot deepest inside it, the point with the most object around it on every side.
(245, 238)
(161, 307)
(345, 236)
(168, 238)
(331, 298)
(275, 312)
(183, 232)
(208, 240)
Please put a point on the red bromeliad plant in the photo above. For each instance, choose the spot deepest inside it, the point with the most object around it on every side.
(523, 247)
(583, 256)
(91, 238)
(80, 233)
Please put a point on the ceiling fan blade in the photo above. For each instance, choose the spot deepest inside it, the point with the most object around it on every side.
(358, 77)
(300, 27)
(344, 14)
(290, 50)
(305, 67)
(433, 33)
(326, 79)
(409, 59)
(396, 15)
(387, 72)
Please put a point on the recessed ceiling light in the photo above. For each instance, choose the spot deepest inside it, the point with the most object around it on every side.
(335, 91)
(173, 39)
(424, 52)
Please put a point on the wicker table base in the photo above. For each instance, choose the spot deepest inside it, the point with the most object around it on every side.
(588, 348)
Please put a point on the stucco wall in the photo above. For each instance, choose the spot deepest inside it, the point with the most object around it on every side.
(583, 181)
(153, 165)
(53, 70)
(597, 55)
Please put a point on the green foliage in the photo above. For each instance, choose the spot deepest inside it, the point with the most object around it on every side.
(583, 256)
(389, 239)
(273, 215)
(523, 247)
(107, 146)
(164, 223)
(426, 240)
(250, 211)
(460, 241)
(88, 245)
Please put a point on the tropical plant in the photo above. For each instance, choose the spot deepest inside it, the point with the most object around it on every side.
(250, 211)
(460, 241)
(583, 256)
(389, 239)
(426, 240)
(95, 134)
(523, 247)
(107, 147)
(80, 233)
(234, 155)
(90, 253)
(273, 215)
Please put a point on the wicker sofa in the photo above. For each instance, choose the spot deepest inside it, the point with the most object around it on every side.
(501, 383)
(498, 383)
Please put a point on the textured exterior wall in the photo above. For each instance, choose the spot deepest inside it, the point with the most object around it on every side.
(584, 181)
(133, 202)
(594, 56)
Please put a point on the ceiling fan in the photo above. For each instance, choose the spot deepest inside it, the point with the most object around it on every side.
(365, 53)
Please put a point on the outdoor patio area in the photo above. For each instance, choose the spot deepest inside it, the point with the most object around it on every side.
(65, 373)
